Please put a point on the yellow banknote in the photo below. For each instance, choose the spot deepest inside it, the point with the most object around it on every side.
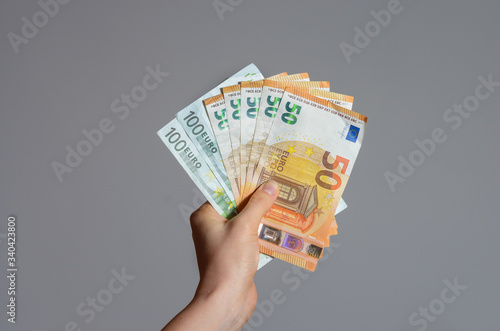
(272, 92)
(250, 100)
(310, 151)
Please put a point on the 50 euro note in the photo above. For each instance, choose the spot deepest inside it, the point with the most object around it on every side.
(217, 114)
(250, 101)
(272, 92)
(264, 259)
(232, 101)
(310, 151)
(195, 122)
(232, 98)
(344, 101)
(224, 114)
(183, 149)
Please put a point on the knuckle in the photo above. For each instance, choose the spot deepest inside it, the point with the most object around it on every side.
(194, 218)
(196, 215)
(200, 214)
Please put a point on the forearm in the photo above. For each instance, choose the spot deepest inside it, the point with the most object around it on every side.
(207, 311)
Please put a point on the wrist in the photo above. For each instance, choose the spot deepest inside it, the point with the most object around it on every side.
(222, 303)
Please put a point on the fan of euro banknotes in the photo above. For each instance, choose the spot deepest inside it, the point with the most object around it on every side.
(250, 129)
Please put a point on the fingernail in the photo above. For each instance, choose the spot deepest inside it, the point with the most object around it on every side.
(270, 187)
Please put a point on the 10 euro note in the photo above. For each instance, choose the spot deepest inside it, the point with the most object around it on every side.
(310, 152)
(183, 149)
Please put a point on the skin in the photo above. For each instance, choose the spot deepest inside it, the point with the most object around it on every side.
(228, 254)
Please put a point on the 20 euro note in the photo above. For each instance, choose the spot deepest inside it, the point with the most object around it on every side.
(194, 121)
(272, 92)
(178, 142)
(310, 151)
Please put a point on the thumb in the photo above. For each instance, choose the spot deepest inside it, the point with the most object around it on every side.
(259, 204)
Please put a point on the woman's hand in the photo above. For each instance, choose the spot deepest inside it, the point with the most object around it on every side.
(228, 255)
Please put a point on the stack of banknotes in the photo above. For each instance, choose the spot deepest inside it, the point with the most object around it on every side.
(250, 129)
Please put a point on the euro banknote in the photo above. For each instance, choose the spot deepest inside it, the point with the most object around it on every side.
(218, 117)
(310, 151)
(250, 102)
(183, 149)
(264, 259)
(344, 101)
(238, 125)
(256, 90)
(272, 92)
(232, 101)
(194, 120)
(221, 133)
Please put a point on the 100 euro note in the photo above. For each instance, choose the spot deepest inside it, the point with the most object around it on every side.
(183, 149)
(310, 151)
(272, 92)
(194, 121)
(175, 138)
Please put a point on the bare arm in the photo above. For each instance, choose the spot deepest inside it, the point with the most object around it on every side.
(227, 254)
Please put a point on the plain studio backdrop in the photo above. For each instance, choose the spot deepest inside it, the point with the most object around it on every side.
(106, 244)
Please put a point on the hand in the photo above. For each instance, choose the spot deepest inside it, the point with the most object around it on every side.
(228, 255)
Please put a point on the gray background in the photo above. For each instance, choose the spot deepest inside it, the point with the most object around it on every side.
(120, 207)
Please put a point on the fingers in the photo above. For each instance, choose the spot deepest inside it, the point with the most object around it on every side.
(259, 204)
(205, 215)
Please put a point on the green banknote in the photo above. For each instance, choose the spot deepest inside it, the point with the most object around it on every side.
(195, 122)
(178, 142)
